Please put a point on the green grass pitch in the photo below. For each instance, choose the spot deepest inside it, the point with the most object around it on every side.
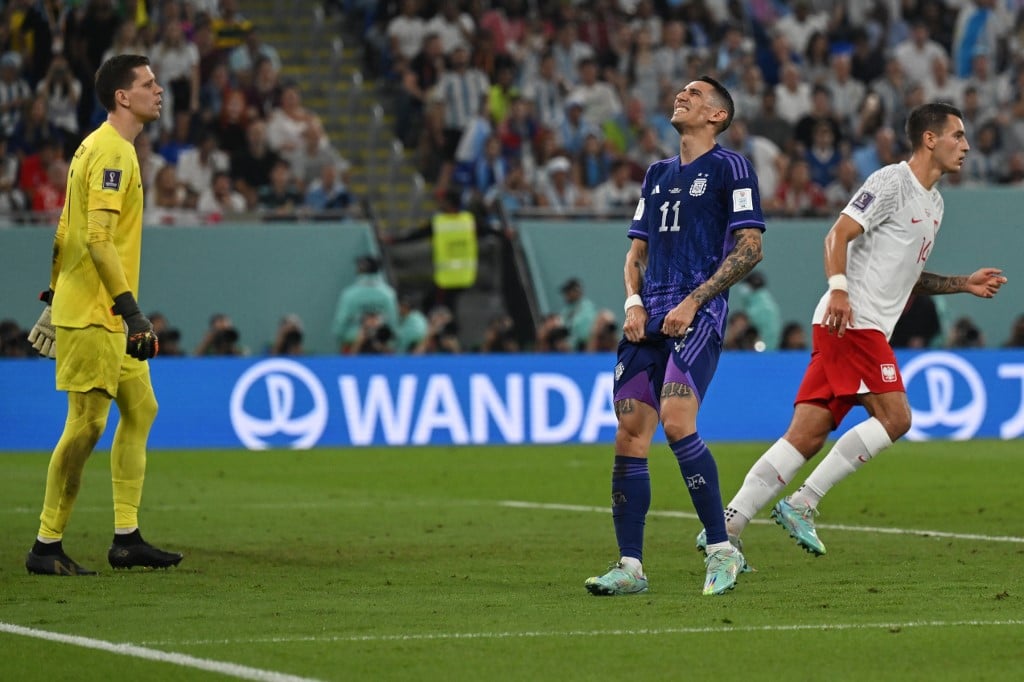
(468, 564)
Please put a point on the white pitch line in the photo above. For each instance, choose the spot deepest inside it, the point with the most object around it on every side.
(518, 504)
(721, 629)
(242, 672)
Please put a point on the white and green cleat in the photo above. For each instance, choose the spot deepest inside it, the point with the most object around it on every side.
(734, 540)
(798, 519)
(724, 566)
(617, 581)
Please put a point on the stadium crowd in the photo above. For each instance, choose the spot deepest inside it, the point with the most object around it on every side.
(234, 138)
(533, 107)
(560, 107)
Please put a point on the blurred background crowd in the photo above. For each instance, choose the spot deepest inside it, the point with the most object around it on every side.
(515, 109)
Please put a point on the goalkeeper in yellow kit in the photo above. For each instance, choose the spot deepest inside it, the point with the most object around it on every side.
(93, 326)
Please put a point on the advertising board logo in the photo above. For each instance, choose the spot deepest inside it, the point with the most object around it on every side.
(953, 403)
(278, 402)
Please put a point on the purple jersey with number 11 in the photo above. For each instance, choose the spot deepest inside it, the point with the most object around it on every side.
(687, 215)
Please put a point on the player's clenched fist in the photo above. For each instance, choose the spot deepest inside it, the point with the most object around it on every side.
(143, 343)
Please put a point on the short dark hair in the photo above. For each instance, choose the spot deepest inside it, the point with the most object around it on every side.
(117, 73)
(929, 117)
(727, 103)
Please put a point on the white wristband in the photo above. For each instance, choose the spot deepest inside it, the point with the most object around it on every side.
(632, 301)
(837, 282)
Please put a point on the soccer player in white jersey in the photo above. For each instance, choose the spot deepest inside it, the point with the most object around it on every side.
(875, 256)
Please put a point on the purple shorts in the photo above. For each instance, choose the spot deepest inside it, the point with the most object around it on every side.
(643, 368)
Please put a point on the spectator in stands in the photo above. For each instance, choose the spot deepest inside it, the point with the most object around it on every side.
(880, 151)
(573, 131)
(31, 34)
(170, 202)
(917, 53)
(62, 92)
(244, 57)
(126, 40)
(330, 191)
(12, 199)
(229, 26)
(280, 198)
(250, 167)
(219, 200)
(640, 72)
(221, 338)
(292, 129)
(769, 124)
(599, 99)
(568, 51)
(205, 41)
(545, 90)
(514, 194)
(263, 90)
(176, 63)
(979, 28)
(405, 34)
(178, 139)
(890, 89)
(15, 93)
(453, 26)
(792, 95)
(839, 191)
(34, 128)
(760, 151)
(48, 196)
(987, 161)
(416, 81)
(824, 155)
(557, 191)
(594, 163)
(232, 123)
(816, 64)
(197, 165)
(798, 196)
(648, 149)
(32, 168)
(462, 89)
(941, 85)
(578, 314)
(518, 132)
(799, 25)
(368, 293)
(619, 195)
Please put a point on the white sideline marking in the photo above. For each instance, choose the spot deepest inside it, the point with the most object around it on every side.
(517, 504)
(721, 629)
(242, 672)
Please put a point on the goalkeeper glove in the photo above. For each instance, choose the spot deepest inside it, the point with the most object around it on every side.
(142, 342)
(43, 335)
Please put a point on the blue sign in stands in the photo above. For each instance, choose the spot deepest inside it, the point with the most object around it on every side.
(265, 402)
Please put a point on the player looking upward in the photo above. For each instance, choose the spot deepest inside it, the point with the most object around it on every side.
(94, 277)
(696, 232)
(875, 256)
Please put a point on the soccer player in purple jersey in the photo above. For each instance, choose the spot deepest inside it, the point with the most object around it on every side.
(696, 232)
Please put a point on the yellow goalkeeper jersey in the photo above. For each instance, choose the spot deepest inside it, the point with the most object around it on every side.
(104, 174)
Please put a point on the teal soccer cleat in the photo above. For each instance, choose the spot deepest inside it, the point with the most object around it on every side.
(799, 521)
(702, 546)
(616, 581)
(724, 566)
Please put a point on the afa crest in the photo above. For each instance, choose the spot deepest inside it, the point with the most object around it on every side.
(698, 187)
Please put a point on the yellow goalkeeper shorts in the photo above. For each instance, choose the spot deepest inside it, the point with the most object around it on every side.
(94, 358)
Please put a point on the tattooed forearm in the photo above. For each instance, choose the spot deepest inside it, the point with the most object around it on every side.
(676, 390)
(741, 260)
(930, 283)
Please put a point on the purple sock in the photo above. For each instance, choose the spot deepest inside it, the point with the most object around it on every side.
(701, 476)
(631, 498)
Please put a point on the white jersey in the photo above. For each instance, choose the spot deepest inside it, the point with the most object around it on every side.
(900, 220)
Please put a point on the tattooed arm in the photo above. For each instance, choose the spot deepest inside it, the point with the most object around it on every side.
(741, 260)
(737, 264)
(983, 283)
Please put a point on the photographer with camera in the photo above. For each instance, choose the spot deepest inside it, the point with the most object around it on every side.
(221, 338)
(288, 340)
(368, 293)
(62, 92)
